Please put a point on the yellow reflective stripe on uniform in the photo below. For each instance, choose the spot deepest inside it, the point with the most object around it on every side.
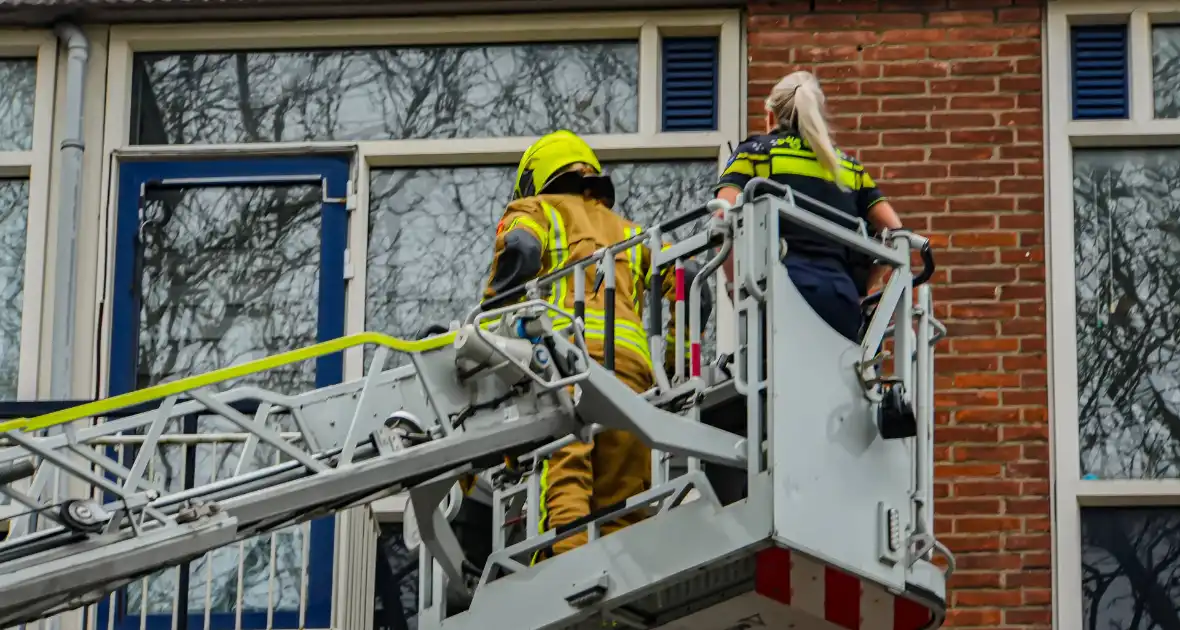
(848, 164)
(634, 260)
(663, 247)
(627, 333)
(787, 165)
(543, 512)
(534, 227)
(558, 253)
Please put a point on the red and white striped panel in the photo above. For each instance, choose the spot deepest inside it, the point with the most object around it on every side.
(818, 591)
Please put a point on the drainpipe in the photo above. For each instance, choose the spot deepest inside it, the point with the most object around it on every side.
(66, 280)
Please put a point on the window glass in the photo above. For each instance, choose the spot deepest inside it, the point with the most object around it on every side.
(1127, 258)
(19, 78)
(396, 581)
(386, 93)
(1165, 58)
(227, 275)
(1130, 568)
(431, 232)
(14, 213)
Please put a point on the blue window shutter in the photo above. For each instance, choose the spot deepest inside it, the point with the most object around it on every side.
(689, 84)
(1100, 71)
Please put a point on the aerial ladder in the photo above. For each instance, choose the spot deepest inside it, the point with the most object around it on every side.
(792, 482)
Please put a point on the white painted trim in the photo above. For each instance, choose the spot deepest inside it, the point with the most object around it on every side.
(15, 164)
(1129, 493)
(1063, 135)
(25, 43)
(563, 27)
(490, 151)
(1139, 46)
(115, 136)
(355, 308)
(37, 248)
(649, 90)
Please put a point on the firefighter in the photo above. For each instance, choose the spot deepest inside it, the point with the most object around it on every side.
(797, 150)
(561, 212)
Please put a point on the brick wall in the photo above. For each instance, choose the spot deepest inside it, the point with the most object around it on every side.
(941, 99)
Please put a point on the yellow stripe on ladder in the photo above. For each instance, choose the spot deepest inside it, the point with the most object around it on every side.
(173, 388)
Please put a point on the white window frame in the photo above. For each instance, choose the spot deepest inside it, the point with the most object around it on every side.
(647, 143)
(32, 165)
(1063, 135)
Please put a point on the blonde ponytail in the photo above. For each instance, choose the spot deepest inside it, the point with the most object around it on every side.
(797, 98)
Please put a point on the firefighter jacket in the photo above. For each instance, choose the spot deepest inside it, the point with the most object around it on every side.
(543, 233)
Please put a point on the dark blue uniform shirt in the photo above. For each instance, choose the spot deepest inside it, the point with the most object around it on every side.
(786, 158)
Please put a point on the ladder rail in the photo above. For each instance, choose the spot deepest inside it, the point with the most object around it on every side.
(310, 484)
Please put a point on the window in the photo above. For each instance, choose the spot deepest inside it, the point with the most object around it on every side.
(1165, 75)
(19, 78)
(14, 214)
(433, 115)
(1130, 559)
(27, 66)
(386, 93)
(1114, 164)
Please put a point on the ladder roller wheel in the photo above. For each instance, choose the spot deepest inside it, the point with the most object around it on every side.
(79, 516)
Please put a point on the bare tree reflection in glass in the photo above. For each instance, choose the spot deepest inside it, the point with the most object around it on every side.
(1127, 256)
(1131, 568)
(396, 606)
(14, 213)
(1165, 61)
(19, 78)
(386, 93)
(229, 275)
(653, 192)
(431, 232)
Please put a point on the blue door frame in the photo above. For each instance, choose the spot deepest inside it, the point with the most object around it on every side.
(136, 177)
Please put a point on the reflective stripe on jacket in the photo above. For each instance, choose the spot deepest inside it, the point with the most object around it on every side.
(571, 227)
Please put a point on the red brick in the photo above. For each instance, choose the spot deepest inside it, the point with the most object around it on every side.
(893, 121)
(963, 187)
(1019, 49)
(990, 103)
(893, 87)
(916, 69)
(954, 154)
(997, 66)
(913, 35)
(963, 51)
(913, 104)
(896, 53)
(823, 54)
(921, 138)
(1019, 15)
(959, 120)
(824, 21)
(962, 86)
(890, 20)
(988, 598)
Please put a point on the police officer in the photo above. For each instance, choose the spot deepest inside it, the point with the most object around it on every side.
(561, 212)
(797, 150)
